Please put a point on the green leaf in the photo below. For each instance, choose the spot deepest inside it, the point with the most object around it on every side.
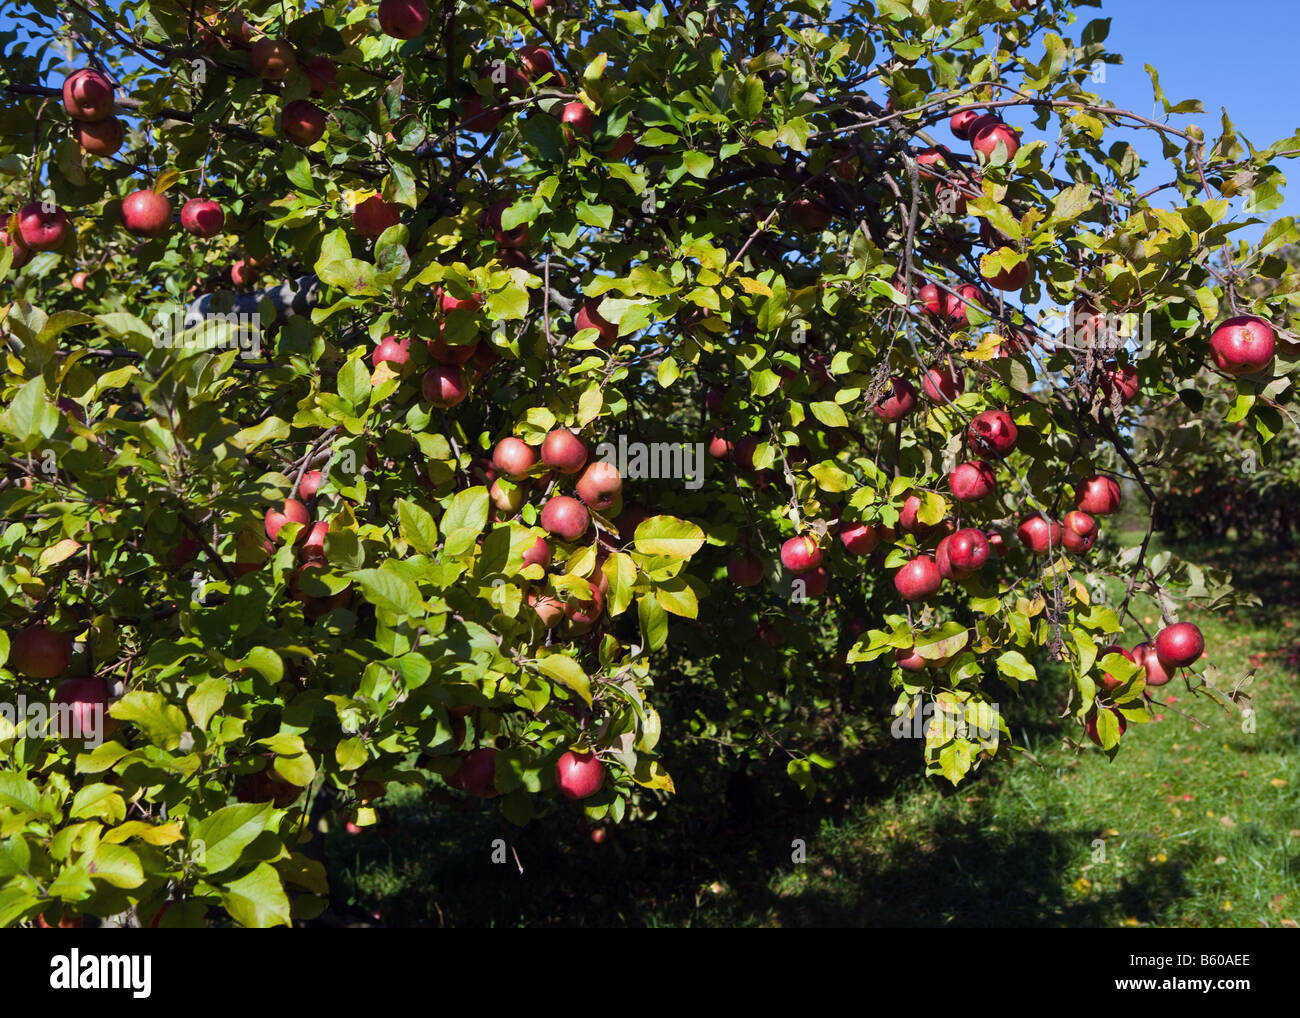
(1013, 664)
(653, 620)
(257, 899)
(466, 515)
(417, 527)
(668, 536)
(205, 701)
(386, 589)
(220, 839)
(830, 414)
(354, 382)
(161, 722)
(567, 672)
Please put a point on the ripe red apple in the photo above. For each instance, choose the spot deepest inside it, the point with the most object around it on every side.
(994, 139)
(931, 298)
(932, 158)
(1098, 495)
(537, 61)
(477, 774)
(859, 538)
(1243, 345)
(1090, 726)
(79, 280)
(294, 512)
(514, 457)
(513, 238)
(99, 137)
(539, 6)
(311, 542)
(83, 696)
(450, 302)
(970, 482)
(1108, 682)
(899, 401)
(566, 518)
(600, 485)
(815, 581)
(909, 519)
(720, 447)
(941, 384)
(968, 550)
(310, 483)
(589, 317)
(962, 121)
(800, 554)
(622, 147)
(16, 245)
(323, 75)
(992, 433)
(403, 19)
(584, 612)
(1080, 531)
(957, 304)
(392, 350)
(1010, 279)
(549, 610)
(303, 122)
(87, 95)
(564, 451)
(579, 775)
(272, 59)
(39, 652)
(909, 660)
(1039, 535)
(577, 119)
(202, 217)
(745, 570)
(810, 215)
(1179, 645)
(373, 216)
(506, 496)
(451, 353)
(243, 272)
(146, 213)
(918, 579)
(1124, 379)
(1156, 672)
(538, 554)
(42, 230)
(444, 385)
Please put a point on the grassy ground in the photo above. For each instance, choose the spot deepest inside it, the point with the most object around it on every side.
(1192, 825)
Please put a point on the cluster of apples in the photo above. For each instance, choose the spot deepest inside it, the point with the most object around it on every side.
(599, 488)
(39, 652)
(1176, 646)
(310, 544)
(578, 775)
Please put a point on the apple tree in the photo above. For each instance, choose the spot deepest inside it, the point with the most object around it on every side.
(425, 394)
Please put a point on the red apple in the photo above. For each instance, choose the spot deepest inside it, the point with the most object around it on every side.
(99, 137)
(1156, 672)
(815, 581)
(908, 517)
(589, 317)
(1243, 345)
(600, 485)
(538, 554)
(506, 496)
(16, 245)
(39, 652)
(931, 298)
(1090, 726)
(859, 538)
(403, 19)
(577, 119)
(549, 610)
(1108, 682)
(1124, 379)
(1098, 495)
(373, 216)
(86, 698)
(970, 482)
(1039, 535)
(477, 774)
(146, 213)
(564, 451)
(962, 121)
(994, 140)
(391, 350)
(516, 237)
(449, 302)
(514, 457)
(294, 512)
(323, 75)
(720, 447)
(202, 217)
(941, 384)
(42, 230)
(311, 542)
(992, 433)
(303, 122)
(537, 61)
(79, 280)
(936, 158)
(566, 518)
(957, 304)
(810, 214)
(968, 550)
(1179, 645)
(745, 570)
(272, 59)
(800, 554)
(1080, 531)
(898, 403)
(87, 95)
(579, 775)
(444, 385)
(1010, 279)
(622, 147)
(918, 579)
(310, 483)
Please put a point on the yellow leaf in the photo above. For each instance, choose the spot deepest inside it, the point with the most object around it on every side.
(58, 552)
(162, 834)
(753, 286)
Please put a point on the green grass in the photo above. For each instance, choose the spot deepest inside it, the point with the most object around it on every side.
(1192, 825)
